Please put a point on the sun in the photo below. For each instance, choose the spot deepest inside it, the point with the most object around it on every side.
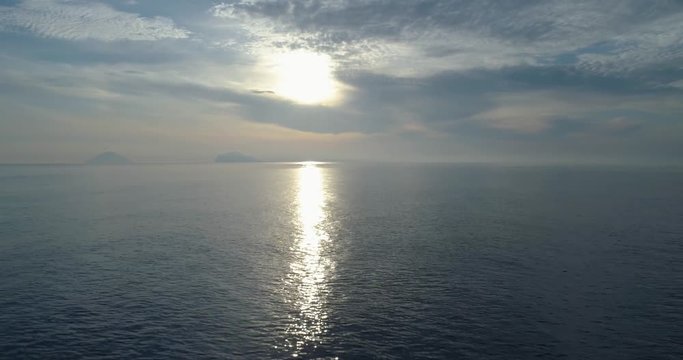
(305, 77)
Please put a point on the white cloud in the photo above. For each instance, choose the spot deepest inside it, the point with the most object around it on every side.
(77, 20)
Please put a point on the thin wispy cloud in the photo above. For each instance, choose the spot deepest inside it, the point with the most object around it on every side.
(79, 20)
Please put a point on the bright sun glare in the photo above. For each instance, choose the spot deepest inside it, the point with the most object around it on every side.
(305, 77)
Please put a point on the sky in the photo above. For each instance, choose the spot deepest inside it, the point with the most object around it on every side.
(501, 81)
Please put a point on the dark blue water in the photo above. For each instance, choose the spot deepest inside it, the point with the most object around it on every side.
(348, 261)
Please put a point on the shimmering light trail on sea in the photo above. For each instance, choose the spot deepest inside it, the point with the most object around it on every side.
(311, 267)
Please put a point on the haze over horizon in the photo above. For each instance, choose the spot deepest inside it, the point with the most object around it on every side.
(531, 81)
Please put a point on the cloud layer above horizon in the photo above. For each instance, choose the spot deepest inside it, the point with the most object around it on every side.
(416, 80)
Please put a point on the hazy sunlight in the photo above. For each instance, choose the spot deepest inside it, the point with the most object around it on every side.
(305, 77)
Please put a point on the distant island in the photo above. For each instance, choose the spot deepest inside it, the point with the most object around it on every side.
(234, 157)
(108, 158)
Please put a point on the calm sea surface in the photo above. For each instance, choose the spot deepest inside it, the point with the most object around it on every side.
(349, 261)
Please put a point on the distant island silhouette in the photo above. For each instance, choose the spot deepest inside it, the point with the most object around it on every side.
(234, 157)
(108, 158)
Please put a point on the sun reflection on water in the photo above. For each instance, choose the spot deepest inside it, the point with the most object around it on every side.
(311, 267)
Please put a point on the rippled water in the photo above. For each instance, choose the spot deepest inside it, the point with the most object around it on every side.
(350, 261)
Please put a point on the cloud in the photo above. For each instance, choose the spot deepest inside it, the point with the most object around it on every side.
(79, 20)
(411, 38)
(436, 76)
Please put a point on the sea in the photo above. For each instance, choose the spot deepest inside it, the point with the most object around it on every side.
(341, 261)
